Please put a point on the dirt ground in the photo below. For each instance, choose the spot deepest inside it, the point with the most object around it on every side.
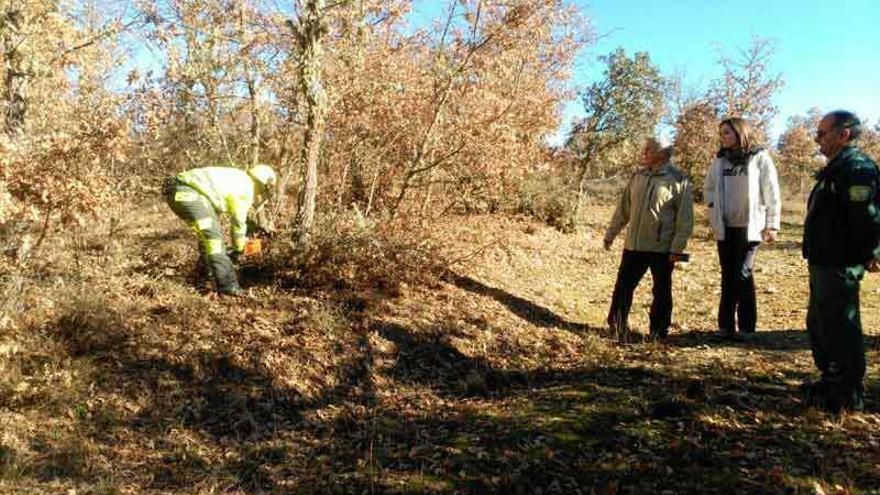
(497, 379)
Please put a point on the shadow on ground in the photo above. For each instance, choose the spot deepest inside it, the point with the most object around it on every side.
(773, 340)
(527, 310)
(634, 428)
(782, 245)
(431, 419)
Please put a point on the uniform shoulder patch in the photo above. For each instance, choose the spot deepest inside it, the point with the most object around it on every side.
(859, 193)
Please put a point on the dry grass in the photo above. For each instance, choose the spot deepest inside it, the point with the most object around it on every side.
(120, 377)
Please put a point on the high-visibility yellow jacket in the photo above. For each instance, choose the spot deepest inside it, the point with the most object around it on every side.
(230, 191)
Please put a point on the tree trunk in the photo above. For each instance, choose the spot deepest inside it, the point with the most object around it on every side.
(309, 34)
(582, 190)
(255, 117)
(357, 172)
(15, 82)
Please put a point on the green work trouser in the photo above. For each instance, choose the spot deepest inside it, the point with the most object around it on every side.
(194, 209)
(835, 327)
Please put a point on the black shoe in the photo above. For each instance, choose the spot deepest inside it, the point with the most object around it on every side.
(620, 330)
(725, 333)
(832, 397)
(852, 399)
(815, 394)
(855, 404)
(658, 336)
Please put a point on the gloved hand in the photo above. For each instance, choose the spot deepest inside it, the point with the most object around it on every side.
(233, 255)
(252, 228)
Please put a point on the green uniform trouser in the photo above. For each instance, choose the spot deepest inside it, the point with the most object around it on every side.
(194, 209)
(835, 327)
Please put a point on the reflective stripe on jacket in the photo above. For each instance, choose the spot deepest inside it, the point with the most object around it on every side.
(658, 209)
(229, 190)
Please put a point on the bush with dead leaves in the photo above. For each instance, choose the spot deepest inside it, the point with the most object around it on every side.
(549, 197)
(348, 252)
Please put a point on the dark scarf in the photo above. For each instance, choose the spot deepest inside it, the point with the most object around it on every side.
(738, 157)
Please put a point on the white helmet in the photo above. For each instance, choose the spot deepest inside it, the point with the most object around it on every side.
(264, 175)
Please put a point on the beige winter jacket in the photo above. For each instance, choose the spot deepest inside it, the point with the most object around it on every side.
(659, 209)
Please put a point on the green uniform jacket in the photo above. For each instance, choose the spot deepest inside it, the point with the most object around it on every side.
(659, 209)
(229, 190)
(842, 227)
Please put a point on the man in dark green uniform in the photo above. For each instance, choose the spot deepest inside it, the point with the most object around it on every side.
(841, 235)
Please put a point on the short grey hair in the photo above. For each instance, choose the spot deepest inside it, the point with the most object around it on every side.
(844, 119)
(661, 148)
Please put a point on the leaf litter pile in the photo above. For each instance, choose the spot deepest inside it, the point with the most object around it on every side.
(499, 378)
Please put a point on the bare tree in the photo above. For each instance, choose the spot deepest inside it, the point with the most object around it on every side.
(15, 73)
(798, 153)
(747, 87)
(309, 34)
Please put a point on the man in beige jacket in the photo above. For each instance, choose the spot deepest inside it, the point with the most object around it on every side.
(657, 208)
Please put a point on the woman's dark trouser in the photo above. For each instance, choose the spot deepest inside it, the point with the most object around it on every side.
(194, 209)
(834, 326)
(633, 265)
(737, 256)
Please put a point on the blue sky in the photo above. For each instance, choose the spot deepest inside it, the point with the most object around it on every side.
(827, 52)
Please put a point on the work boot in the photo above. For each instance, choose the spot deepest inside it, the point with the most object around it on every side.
(833, 397)
(202, 278)
(815, 393)
(233, 291)
(814, 396)
(851, 398)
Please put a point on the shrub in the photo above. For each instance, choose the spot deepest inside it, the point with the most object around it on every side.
(90, 323)
(549, 198)
(350, 252)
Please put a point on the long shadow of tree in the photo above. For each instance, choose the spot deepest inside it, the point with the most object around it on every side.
(428, 359)
(774, 340)
(232, 404)
(783, 245)
(525, 309)
(480, 429)
(632, 428)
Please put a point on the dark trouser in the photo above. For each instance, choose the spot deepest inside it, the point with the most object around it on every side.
(737, 257)
(633, 266)
(835, 327)
(194, 209)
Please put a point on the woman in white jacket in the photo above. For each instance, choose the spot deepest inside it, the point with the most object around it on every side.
(742, 192)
